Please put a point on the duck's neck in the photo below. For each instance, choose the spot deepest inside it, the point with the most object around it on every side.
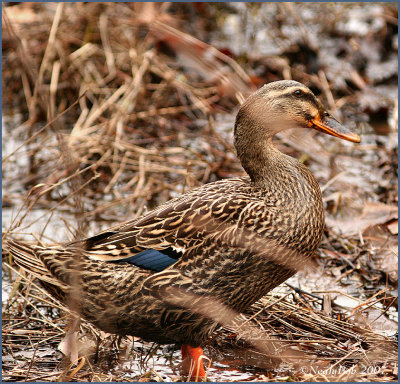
(261, 160)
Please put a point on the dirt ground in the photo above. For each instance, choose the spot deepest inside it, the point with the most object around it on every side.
(110, 109)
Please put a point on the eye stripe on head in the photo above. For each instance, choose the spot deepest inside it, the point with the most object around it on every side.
(304, 94)
(280, 96)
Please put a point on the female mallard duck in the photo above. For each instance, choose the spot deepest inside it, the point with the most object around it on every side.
(232, 240)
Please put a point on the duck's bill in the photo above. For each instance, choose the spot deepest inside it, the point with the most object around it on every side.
(331, 126)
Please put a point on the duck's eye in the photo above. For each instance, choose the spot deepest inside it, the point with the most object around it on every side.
(298, 92)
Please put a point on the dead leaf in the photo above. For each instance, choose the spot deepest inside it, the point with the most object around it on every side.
(385, 250)
(393, 227)
(69, 346)
(378, 213)
(371, 215)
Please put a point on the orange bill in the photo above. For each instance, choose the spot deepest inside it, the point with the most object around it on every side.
(331, 126)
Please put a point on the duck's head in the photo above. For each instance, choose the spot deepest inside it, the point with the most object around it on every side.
(281, 105)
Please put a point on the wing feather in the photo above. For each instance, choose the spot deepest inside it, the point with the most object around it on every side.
(152, 240)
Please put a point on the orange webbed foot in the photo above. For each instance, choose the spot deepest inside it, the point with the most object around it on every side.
(192, 358)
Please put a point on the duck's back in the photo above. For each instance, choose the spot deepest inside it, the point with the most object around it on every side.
(254, 237)
(236, 240)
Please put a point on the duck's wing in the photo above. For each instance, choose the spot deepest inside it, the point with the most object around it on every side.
(160, 238)
(116, 246)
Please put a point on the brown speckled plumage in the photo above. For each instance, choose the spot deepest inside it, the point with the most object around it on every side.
(236, 238)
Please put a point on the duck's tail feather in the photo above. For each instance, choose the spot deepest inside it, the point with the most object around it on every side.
(28, 258)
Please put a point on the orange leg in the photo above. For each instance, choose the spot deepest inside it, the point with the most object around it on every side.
(193, 362)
